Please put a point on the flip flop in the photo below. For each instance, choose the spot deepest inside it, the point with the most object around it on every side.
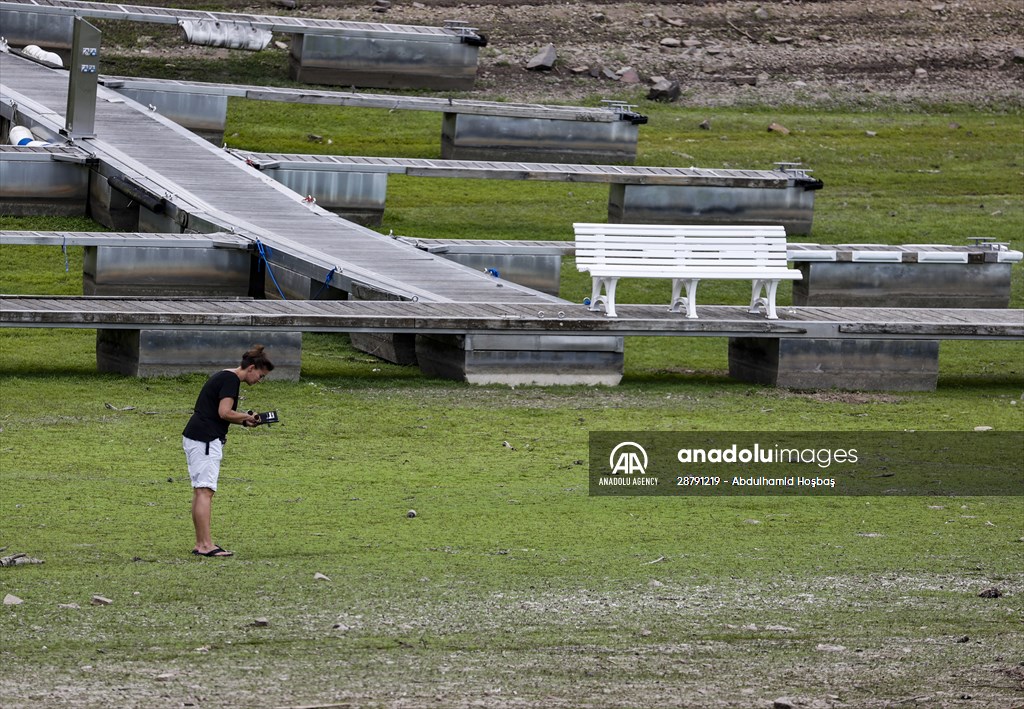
(216, 551)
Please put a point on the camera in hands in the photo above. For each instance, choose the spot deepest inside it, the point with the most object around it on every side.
(265, 418)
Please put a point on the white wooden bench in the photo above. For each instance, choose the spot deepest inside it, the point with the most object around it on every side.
(685, 254)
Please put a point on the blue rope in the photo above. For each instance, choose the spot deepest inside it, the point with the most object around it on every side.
(263, 257)
(327, 282)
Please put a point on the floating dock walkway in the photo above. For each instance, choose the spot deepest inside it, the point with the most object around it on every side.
(335, 52)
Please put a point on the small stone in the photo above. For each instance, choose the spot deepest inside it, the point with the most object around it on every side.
(101, 601)
(777, 128)
(761, 14)
(410, 514)
(628, 75)
(784, 703)
(1018, 56)
(671, 42)
(654, 583)
(280, 45)
(825, 647)
(705, 124)
(990, 593)
(543, 60)
(664, 90)
(580, 70)
(320, 577)
(982, 428)
(598, 17)
(781, 40)
(69, 606)
(692, 43)
(962, 639)
(921, 73)
(870, 133)
(11, 600)
(260, 623)
(165, 677)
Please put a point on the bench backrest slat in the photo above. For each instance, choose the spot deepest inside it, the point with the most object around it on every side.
(687, 246)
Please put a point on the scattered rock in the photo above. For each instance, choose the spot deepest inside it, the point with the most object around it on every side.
(784, 703)
(692, 43)
(705, 124)
(286, 4)
(990, 593)
(410, 514)
(543, 60)
(825, 647)
(598, 17)
(11, 600)
(654, 583)
(982, 428)
(962, 639)
(671, 42)
(1018, 56)
(780, 628)
(761, 14)
(101, 601)
(664, 90)
(920, 73)
(165, 677)
(280, 45)
(870, 133)
(314, 138)
(777, 128)
(745, 80)
(320, 577)
(781, 40)
(674, 21)
(260, 623)
(609, 74)
(628, 75)
(580, 70)
(69, 606)
(19, 559)
(751, 521)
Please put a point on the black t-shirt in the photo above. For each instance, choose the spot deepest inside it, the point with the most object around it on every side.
(206, 424)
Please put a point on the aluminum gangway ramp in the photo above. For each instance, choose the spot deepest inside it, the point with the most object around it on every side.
(216, 187)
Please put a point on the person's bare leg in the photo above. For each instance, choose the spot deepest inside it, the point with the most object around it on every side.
(202, 501)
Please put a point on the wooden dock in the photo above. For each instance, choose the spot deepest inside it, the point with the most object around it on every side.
(173, 16)
(547, 172)
(511, 318)
(355, 99)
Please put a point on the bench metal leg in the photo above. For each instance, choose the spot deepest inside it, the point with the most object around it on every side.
(768, 301)
(690, 301)
(608, 299)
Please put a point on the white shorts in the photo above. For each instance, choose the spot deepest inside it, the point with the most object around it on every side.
(203, 467)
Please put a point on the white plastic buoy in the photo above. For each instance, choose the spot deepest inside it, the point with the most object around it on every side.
(20, 135)
(40, 54)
